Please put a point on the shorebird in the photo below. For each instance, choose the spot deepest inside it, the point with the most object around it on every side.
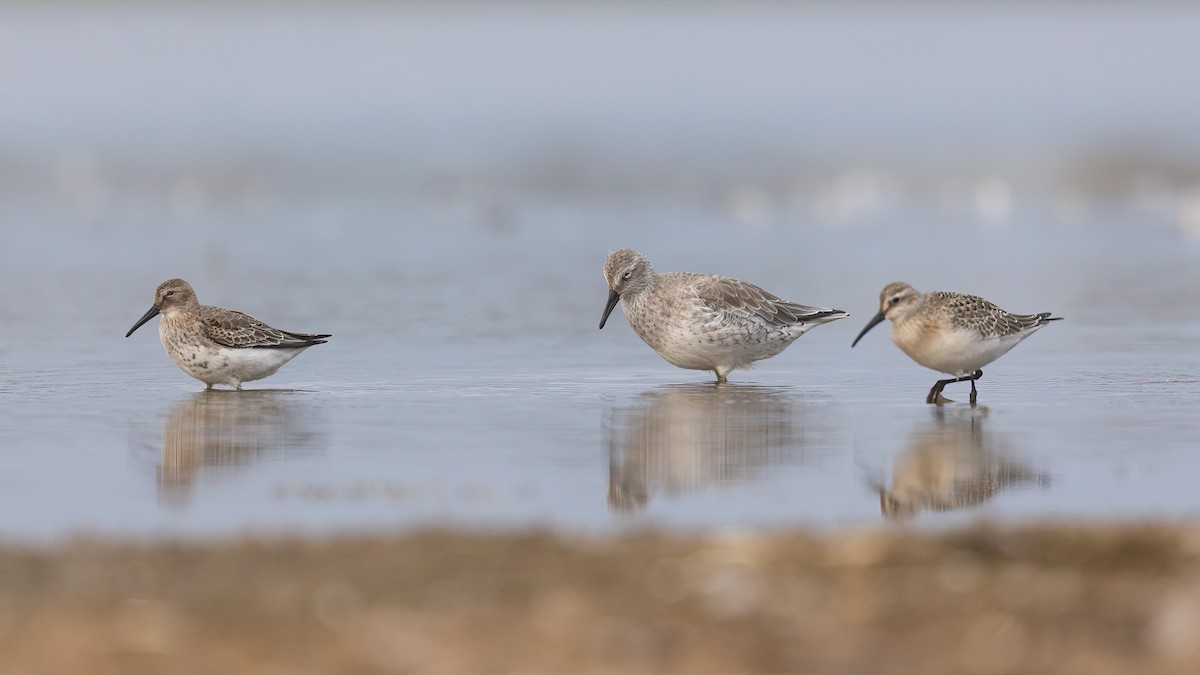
(953, 333)
(704, 321)
(220, 346)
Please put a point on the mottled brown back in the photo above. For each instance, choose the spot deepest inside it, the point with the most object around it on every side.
(975, 313)
(238, 330)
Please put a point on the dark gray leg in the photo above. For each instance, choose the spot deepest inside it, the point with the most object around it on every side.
(931, 397)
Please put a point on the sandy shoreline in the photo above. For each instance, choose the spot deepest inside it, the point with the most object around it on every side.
(1094, 599)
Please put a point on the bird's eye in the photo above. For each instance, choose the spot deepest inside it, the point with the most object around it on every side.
(896, 300)
(627, 275)
(169, 294)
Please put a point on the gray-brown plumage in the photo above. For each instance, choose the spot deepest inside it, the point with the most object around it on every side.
(972, 312)
(238, 330)
(220, 346)
(704, 321)
(953, 333)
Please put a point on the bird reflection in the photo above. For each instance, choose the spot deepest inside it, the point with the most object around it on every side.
(681, 439)
(225, 428)
(951, 464)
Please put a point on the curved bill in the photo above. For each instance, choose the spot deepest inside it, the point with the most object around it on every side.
(613, 297)
(150, 314)
(870, 324)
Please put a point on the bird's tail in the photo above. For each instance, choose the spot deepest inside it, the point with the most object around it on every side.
(822, 315)
(305, 339)
(1037, 320)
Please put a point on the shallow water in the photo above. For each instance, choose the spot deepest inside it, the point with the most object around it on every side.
(585, 430)
(467, 383)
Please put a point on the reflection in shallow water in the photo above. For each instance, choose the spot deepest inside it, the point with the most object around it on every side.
(951, 464)
(681, 439)
(228, 428)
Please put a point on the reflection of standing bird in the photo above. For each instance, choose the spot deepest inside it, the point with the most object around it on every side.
(220, 346)
(953, 333)
(951, 466)
(216, 428)
(688, 438)
(703, 321)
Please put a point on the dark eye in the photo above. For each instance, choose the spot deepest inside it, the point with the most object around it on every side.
(169, 294)
(896, 300)
(627, 275)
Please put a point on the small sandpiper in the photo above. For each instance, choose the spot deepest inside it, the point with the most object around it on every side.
(953, 333)
(704, 321)
(220, 346)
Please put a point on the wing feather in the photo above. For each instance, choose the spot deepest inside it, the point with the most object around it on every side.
(727, 295)
(238, 330)
(989, 320)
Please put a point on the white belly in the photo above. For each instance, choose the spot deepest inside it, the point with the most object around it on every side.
(698, 354)
(687, 343)
(223, 365)
(954, 351)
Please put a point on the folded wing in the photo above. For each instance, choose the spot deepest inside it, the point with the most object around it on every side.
(724, 294)
(241, 331)
(973, 312)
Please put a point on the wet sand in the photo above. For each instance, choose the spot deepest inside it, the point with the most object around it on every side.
(1096, 599)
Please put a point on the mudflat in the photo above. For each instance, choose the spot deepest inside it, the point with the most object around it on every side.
(1063, 599)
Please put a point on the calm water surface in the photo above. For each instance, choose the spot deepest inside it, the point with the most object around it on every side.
(484, 395)
(466, 382)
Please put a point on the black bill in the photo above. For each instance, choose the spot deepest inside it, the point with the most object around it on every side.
(870, 324)
(150, 314)
(613, 298)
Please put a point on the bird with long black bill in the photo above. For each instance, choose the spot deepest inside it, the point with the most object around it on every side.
(953, 333)
(217, 345)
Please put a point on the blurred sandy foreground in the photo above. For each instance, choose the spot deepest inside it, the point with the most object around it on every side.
(1055, 599)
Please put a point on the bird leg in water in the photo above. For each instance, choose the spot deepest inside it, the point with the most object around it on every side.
(935, 394)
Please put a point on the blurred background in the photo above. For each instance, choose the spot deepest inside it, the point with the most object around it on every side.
(438, 184)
